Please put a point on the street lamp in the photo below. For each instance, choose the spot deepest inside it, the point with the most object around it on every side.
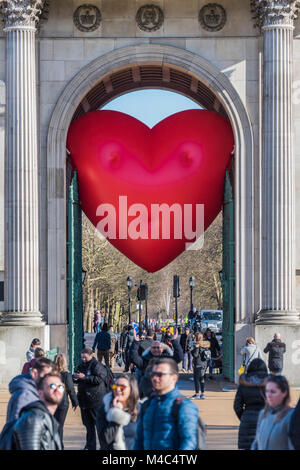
(192, 285)
(129, 286)
(83, 276)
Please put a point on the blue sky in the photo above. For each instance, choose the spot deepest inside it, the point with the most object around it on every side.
(151, 106)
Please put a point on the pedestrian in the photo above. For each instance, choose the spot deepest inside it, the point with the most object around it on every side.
(157, 429)
(249, 400)
(38, 353)
(272, 431)
(35, 343)
(23, 387)
(113, 350)
(128, 340)
(117, 418)
(276, 350)
(250, 351)
(102, 343)
(155, 351)
(62, 409)
(215, 350)
(37, 429)
(91, 377)
(295, 427)
(201, 355)
(96, 321)
(186, 343)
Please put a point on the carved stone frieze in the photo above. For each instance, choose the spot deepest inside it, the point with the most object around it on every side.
(270, 13)
(20, 13)
(149, 18)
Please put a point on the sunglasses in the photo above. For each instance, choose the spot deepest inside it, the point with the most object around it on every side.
(121, 387)
(60, 387)
(159, 374)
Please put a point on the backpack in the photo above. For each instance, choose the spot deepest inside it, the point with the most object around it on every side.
(6, 437)
(201, 427)
(109, 379)
(205, 355)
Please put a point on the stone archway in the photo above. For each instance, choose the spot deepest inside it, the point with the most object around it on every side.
(217, 84)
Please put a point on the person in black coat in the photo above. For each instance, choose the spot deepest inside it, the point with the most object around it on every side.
(186, 343)
(294, 433)
(201, 349)
(91, 377)
(62, 409)
(249, 400)
(276, 350)
(117, 418)
(215, 349)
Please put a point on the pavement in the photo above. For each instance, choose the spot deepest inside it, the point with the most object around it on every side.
(216, 411)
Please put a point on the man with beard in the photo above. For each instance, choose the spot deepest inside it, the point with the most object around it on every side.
(37, 429)
(23, 387)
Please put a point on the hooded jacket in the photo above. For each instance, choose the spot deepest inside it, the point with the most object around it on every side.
(115, 429)
(36, 429)
(23, 391)
(197, 352)
(249, 400)
(157, 428)
(251, 351)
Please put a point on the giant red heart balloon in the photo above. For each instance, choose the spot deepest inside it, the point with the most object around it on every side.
(125, 170)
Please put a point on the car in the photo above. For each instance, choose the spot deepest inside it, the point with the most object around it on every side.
(212, 319)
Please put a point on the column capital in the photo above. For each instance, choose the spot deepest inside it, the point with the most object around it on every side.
(20, 14)
(270, 14)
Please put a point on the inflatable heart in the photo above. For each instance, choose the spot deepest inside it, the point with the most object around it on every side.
(145, 189)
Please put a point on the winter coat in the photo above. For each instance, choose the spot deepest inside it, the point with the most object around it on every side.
(197, 352)
(276, 350)
(115, 429)
(36, 429)
(92, 388)
(248, 402)
(251, 351)
(157, 428)
(66, 378)
(23, 391)
(186, 342)
(295, 427)
(271, 435)
(142, 361)
(30, 354)
(102, 341)
(128, 340)
(28, 365)
(214, 347)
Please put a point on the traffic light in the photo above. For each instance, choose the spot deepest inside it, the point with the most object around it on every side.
(144, 291)
(176, 289)
(138, 294)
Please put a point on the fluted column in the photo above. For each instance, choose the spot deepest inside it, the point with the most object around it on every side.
(278, 169)
(21, 166)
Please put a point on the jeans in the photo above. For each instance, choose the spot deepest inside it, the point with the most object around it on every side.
(211, 364)
(199, 379)
(103, 353)
(187, 361)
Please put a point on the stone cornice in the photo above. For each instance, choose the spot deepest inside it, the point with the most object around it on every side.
(274, 13)
(21, 13)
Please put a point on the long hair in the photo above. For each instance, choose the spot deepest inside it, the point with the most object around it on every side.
(198, 337)
(61, 362)
(283, 386)
(132, 402)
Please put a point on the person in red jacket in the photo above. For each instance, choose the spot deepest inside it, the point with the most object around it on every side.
(38, 352)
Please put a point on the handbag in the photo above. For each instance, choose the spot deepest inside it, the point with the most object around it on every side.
(119, 360)
(241, 369)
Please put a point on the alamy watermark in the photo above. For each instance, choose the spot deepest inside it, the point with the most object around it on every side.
(154, 224)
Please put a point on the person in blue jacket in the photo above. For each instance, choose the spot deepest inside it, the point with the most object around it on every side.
(157, 427)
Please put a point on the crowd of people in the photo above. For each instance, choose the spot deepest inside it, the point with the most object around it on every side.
(142, 407)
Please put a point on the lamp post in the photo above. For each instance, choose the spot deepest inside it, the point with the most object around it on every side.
(129, 286)
(192, 285)
(83, 276)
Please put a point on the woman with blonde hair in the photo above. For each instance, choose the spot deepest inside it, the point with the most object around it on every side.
(250, 351)
(117, 419)
(62, 409)
(201, 355)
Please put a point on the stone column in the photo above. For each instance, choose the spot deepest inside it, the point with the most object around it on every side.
(21, 172)
(276, 19)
